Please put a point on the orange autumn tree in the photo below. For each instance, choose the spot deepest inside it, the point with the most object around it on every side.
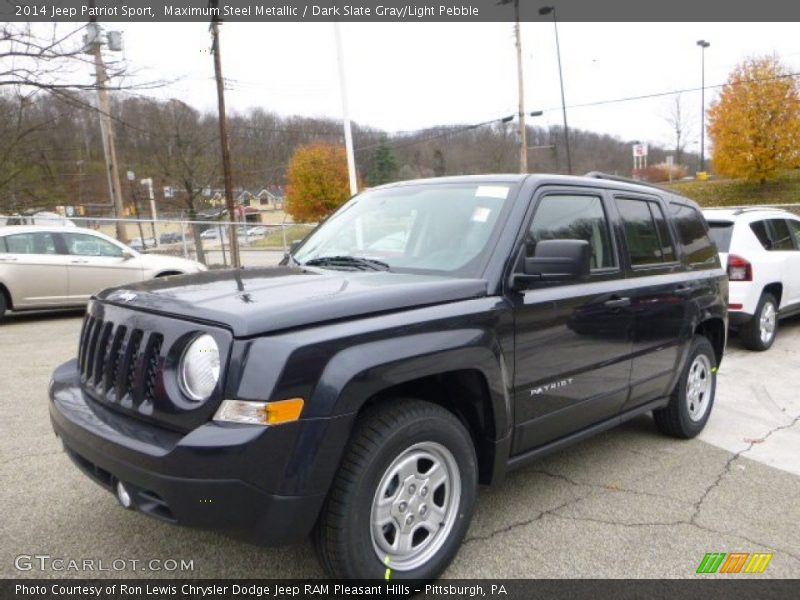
(754, 125)
(317, 182)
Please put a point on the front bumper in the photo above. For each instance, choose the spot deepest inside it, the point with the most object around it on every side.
(262, 484)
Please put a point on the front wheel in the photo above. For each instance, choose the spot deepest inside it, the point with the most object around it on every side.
(693, 397)
(403, 497)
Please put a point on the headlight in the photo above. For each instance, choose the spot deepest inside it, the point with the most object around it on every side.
(198, 371)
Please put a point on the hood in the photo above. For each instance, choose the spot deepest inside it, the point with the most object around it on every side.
(258, 301)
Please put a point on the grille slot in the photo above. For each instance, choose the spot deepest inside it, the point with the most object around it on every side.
(113, 358)
(101, 351)
(132, 360)
(151, 366)
(92, 348)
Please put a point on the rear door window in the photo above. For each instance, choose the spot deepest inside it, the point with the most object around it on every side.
(646, 232)
(694, 237)
(2, 245)
(721, 233)
(40, 242)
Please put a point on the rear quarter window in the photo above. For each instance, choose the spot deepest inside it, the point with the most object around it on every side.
(3, 245)
(721, 233)
(693, 236)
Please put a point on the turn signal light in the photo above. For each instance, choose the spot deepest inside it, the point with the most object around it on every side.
(739, 269)
(260, 413)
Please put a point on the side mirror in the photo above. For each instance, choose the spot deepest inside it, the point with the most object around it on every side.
(555, 260)
(292, 247)
(126, 255)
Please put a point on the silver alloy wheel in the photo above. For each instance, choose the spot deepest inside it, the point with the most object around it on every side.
(415, 506)
(766, 324)
(698, 387)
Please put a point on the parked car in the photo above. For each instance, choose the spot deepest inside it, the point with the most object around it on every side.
(254, 231)
(142, 243)
(761, 248)
(364, 398)
(42, 218)
(213, 234)
(46, 267)
(170, 237)
(257, 231)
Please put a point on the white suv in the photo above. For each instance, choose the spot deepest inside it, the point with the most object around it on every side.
(761, 247)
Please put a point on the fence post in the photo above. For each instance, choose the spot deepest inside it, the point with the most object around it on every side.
(183, 237)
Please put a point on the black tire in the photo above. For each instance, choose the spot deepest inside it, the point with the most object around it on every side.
(3, 306)
(386, 432)
(750, 332)
(681, 417)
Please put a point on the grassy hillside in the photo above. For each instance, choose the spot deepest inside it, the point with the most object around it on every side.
(784, 189)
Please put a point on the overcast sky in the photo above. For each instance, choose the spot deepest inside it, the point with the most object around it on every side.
(407, 76)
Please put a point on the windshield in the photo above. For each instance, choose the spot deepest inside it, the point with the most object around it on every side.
(437, 227)
(720, 232)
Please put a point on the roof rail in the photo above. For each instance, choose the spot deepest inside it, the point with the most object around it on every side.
(745, 209)
(609, 177)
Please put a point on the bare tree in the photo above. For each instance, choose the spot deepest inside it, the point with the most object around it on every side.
(187, 155)
(679, 121)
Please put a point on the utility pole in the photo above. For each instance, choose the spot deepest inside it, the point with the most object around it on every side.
(703, 45)
(546, 10)
(348, 133)
(225, 142)
(523, 134)
(93, 46)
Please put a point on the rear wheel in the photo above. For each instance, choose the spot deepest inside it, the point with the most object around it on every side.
(760, 331)
(3, 306)
(693, 397)
(403, 497)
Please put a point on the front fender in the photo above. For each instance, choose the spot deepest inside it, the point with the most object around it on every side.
(360, 372)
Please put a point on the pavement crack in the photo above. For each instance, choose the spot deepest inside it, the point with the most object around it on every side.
(609, 487)
(726, 469)
(518, 524)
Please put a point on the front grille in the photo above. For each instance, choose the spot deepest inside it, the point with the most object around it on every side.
(128, 360)
(118, 363)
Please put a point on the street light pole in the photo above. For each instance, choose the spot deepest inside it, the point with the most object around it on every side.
(348, 131)
(703, 45)
(546, 10)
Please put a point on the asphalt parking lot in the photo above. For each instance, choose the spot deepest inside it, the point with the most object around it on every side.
(628, 503)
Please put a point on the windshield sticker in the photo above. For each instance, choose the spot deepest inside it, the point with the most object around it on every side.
(492, 191)
(481, 214)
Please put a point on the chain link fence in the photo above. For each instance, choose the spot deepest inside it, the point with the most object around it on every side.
(260, 245)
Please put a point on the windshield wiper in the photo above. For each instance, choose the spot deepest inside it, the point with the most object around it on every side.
(357, 262)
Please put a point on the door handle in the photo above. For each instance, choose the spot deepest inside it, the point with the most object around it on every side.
(617, 302)
(80, 262)
(8, 258)
(682, 290)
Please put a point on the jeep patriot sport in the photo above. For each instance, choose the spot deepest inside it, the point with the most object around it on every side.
(427, 337)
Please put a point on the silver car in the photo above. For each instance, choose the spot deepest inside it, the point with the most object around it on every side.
(45, 267)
